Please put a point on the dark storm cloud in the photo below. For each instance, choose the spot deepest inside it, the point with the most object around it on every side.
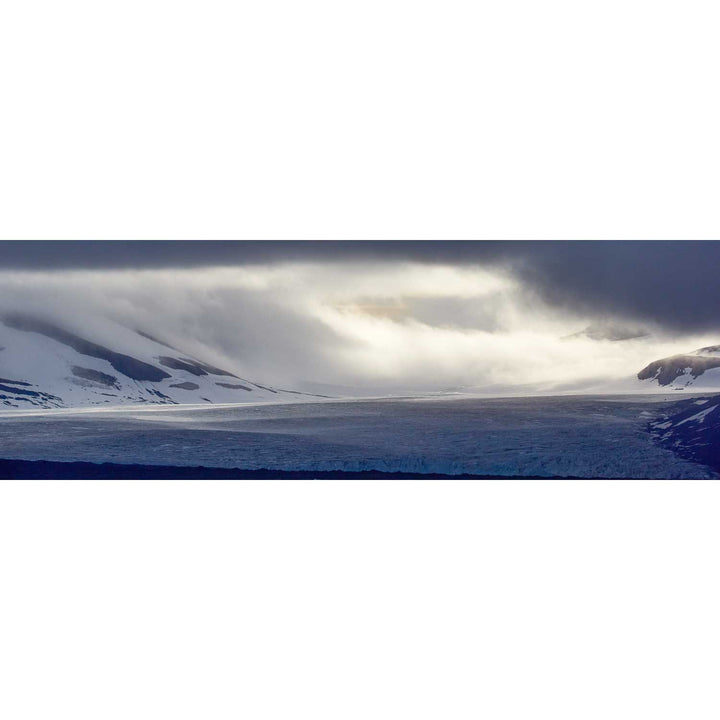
(671, 283)
(674, 283)
(140, 254)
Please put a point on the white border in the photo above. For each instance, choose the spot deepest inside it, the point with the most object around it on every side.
(344, 120)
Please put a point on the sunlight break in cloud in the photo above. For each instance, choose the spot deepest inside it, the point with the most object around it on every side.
(399, 323)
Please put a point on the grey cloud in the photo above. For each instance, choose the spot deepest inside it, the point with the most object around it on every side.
(452, 312)
(274, 341)
(266, 332)
(669, 283)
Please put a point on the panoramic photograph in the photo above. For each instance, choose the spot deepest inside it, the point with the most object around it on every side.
(359, 360)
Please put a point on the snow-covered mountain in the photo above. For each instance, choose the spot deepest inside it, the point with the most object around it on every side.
(46, 365)
(607, 330)
(698, 371)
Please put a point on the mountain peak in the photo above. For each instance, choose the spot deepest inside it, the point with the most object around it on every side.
(607, 330)
(680, 371)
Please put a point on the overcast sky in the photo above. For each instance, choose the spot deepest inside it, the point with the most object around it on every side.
(406, 314)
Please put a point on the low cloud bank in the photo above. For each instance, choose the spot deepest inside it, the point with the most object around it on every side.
(399, 324)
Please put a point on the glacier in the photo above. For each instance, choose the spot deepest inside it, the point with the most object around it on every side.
(568, 436)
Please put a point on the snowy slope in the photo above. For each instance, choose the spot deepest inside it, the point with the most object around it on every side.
(46, 365)
(696, 371)
(692, 430)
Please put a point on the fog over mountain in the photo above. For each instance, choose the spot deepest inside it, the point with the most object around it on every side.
(425, 316)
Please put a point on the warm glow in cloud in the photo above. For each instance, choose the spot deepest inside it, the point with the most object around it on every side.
(394, 324)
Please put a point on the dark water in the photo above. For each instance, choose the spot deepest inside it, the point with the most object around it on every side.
(602, 437)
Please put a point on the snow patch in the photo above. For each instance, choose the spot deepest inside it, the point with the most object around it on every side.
(700, 417)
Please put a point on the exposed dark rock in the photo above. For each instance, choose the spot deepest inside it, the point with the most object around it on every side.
(192, 366)
(95, 376)
(157, 393)
(19, 391)
(176, 364)
(33, 396)
(230, 386)
(262, 387)
(15, 382)
(670, 368)
(186, 386)
(608, 331)
(209, 369)
(306, 394)
(154, 339)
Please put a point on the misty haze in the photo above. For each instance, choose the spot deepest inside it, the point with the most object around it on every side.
(360, 359)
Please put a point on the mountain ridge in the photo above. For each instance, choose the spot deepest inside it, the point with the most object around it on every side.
(681, 371)
(44, 364)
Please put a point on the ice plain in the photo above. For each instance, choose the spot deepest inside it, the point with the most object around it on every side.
(562, 436)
